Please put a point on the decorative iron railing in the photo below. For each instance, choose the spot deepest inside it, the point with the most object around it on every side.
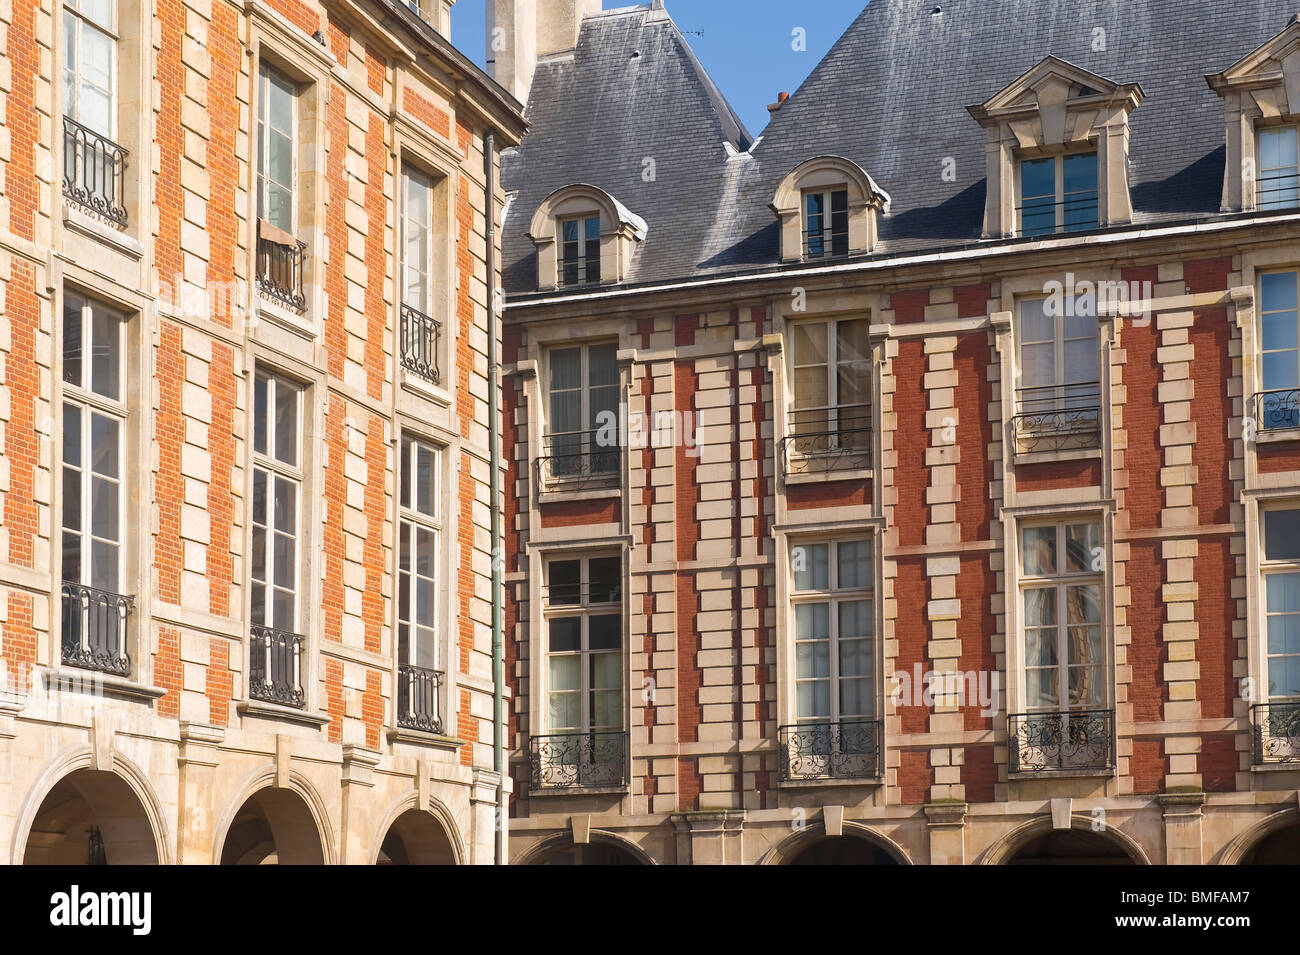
(94, 629)
(420, 336)
(1057, 418)
(1277, 732)
(417, 698)
(825, 243)
(1048, 217)
(827, 439)
(846, 750)
(579, 460)
(275, 667)
(1276, 410)
(596, 760)
(94, 172)
(1281, 191)
(280, 272)
(1064, 741)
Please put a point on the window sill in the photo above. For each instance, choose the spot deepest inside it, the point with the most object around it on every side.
(830, 781)
(89, 226)
(1277, 435)
(1061, 774)
(92, 681)
(829, 477)
(417, 738)
(621, 790)
(558, 493)
(285, 713)
(284, 317)
(1053, 457)
(1292, 767)
(419, 385)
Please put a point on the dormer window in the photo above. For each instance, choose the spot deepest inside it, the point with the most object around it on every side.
(826, 223)
(584, 237)
(1058, 194)
(1057, 152)
(1278, 183)
(828, 208)
(580, 251)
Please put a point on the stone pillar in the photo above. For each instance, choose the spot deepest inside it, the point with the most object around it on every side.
(1183, 813)
(711, 838)
(200, 752)
(946, 823)
(485, 818)
(358, 810)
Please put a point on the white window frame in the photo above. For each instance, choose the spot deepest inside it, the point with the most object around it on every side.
(585, 609)
(1061, 399)
(836, 408)
(1059, 196)
(828, 221)
(1267, 173)
(1061, 580)
(1263, 311)
(261, 170)
(409, 516)
(274, 469)
(72, 11)
(833, 595)
(412, 173)
(1267, 569)
(583, 262)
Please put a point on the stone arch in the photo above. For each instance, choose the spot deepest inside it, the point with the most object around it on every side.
(1239, 849)
(131, 782)
(436, 813)
(564, 841)
(264, 780)
(1005, 849)
(785, 852)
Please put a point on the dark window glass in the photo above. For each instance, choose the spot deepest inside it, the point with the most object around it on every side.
(606, 575)
(1282, 535)
(566, 634)
(565, 581)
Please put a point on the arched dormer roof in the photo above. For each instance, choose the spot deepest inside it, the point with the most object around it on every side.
(620, 229)
(866, 200)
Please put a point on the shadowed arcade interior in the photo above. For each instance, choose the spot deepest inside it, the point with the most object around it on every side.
(91, 817)
(273, 827)
(416, 838)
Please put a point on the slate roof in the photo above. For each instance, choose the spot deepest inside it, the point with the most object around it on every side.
(891, 95)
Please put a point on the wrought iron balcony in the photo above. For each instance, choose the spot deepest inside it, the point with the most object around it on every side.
(1057, 418)
(420, 336)
(825, 244)
(596, 760)
(280, 272)
(1047, 217)
(1067, 741)
(417, 699)
(1281, 191)
(275, 667)
(94, 172)
(846, 750)
(579, 460)
(1277, 732)
(827, 439)
(1276, 410)
(94, 629)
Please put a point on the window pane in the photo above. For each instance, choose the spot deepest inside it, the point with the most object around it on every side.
(565, 582)
(854, 564)
(1081, 361)
(260, 403)
(286, 506)
(1038, 196)
(1040, 648)
(1282, 535)
(605, 632)
(566, 369)
(855, 619)
(1284, 633)
(72, 435)
(566, 635)
(606, 579)
(104, 566)
(810, 343)
(1041, 690)
(286, 422)
(283, 558)
(812, 621)
(1080, 180)
(425, 480)
(1280, 371)
(104, 504)
(1283, 593)
(1082, 548)
(259, 497)
(104, 454)
(1278, 291)
(1284, 676)
(810, 563)
(1038, 550)
(1040, 607)
(72, 339)
(1278, 331)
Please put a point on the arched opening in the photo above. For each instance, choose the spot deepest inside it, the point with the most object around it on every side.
(273, 827)
(1277, 848)
(416, 838)
(91, 818)
(1070, 847)
(842, 850)
(596, 853)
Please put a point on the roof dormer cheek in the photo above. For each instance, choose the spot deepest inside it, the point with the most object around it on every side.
(1057, 152)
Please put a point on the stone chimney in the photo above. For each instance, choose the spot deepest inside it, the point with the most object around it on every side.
(519, 32)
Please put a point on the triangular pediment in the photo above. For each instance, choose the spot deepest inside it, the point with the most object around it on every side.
(1269, 73)
(1052, 82)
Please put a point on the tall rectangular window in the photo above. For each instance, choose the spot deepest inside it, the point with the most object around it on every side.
(1058, 397)
(584, 652)
(1281, 567)
(1061, 593)
(1278, 406)
(276, 147)
(90, 65)
(1279, 168)
(420, 332)
(826, 223)
(93, 472)
(831, 369)
(277, 482)
(580, 251)
(583, 390)
(419, 531)
(1058, 194)
(834, 634)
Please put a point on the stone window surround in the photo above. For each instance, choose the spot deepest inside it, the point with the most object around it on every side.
(135, 116)
(1013, 520)
(1261, 89)
(137, 537)
(537, 556)
(885, 649)
(1256, 633)
(311, 520)
(448, 448)
(867, 202)
(1035, 116)
(620, 230)
(783, 395)
(1030, 285)
(436, 159)
(1246, 301)
(279, 44)
(540, 339)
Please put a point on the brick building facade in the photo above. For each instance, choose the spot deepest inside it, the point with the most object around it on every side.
(244, 446)
(955, 518)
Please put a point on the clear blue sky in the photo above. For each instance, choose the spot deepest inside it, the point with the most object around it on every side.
(746, 46)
